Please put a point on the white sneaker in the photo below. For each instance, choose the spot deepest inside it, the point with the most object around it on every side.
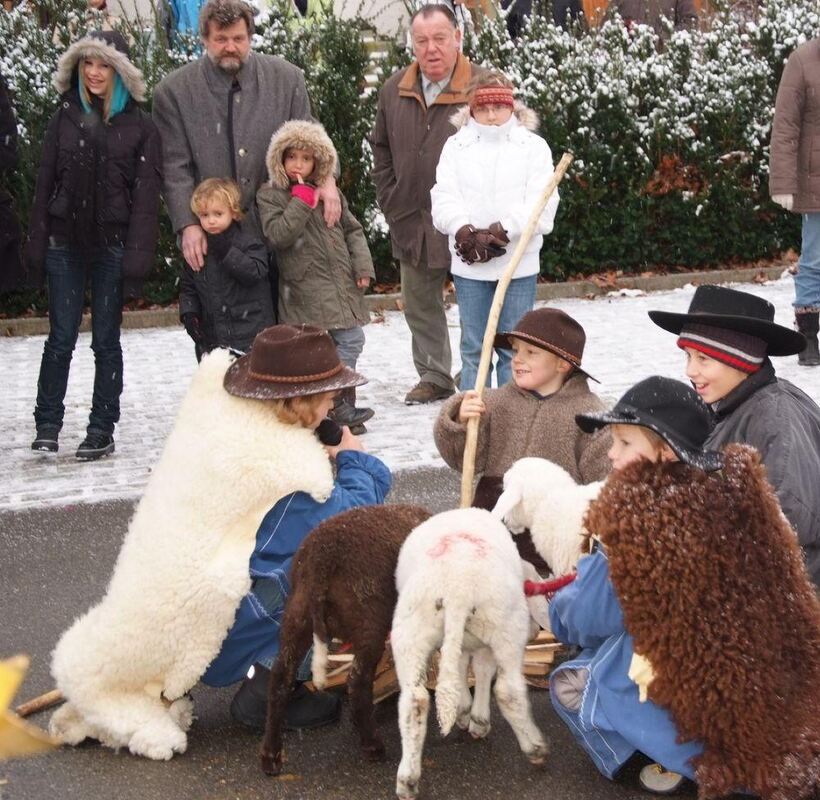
(654, 778)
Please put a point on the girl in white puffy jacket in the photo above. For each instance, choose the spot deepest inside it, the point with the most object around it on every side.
(489, 177)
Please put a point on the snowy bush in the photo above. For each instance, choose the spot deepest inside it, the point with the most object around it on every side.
(670, 144)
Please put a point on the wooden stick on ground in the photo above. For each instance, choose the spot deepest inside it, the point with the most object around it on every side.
(40, 703)
(468, 467)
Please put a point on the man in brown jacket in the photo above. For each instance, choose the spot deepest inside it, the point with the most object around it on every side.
(794, 179)
(412, 124)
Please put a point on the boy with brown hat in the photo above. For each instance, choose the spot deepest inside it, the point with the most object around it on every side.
(728, 337)
(534, 414)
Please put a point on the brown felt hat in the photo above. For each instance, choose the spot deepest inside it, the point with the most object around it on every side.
(550, 329)
(289, 361)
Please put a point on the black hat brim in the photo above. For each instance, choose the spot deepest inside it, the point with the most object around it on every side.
(780, 341)
(707, 460)
(239, 382)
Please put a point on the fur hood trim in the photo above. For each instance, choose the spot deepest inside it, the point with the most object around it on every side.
(93, 47)
(304, 135)
(525, 116)
(716, 596)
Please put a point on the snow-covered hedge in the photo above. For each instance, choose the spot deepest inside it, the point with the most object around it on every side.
(671, 144)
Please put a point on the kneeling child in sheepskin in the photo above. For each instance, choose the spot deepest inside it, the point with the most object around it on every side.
(196, 564)
(699, 625)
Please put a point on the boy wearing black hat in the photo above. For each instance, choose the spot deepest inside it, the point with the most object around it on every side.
(696, 618)
(532, 415)
(728, 337)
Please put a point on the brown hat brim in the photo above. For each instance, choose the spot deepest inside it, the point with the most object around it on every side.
(502, 340)
(239, 382)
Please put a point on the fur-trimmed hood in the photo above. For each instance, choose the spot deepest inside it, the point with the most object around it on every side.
(109, 46)
(716, 596)
(304, 135)
(526, 117)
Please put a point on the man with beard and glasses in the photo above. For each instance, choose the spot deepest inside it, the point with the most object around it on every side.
(216, 117)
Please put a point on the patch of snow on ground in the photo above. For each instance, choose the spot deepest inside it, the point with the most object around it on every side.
(623, 346)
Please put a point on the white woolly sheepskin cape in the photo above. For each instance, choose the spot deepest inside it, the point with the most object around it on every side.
(126, 666)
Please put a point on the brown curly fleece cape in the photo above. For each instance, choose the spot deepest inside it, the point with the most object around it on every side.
(715, 594)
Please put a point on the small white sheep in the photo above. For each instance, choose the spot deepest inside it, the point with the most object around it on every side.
(460, 583)
(543, 497)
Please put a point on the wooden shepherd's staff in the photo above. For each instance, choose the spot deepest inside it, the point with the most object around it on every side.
(468, 467)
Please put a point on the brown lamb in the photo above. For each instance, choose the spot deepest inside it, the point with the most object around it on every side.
(342, 586)
(716, 596)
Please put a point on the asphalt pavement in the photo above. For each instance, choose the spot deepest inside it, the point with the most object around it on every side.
(56, 562)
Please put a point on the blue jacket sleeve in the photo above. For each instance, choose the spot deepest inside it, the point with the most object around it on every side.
(361, 480)
(587, 612)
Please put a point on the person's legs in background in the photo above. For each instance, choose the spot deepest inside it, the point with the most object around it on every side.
(519, 299)
(65, 273)
(422, 292)
(106, 321)
(349, 345)
(474, 300)
(807, 289)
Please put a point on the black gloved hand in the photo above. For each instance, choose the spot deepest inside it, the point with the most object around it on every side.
(193, 325)
(219, 243)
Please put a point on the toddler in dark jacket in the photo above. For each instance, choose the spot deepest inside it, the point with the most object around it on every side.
(228, 301)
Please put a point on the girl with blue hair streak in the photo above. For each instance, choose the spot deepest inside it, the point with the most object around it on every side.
(94, 219)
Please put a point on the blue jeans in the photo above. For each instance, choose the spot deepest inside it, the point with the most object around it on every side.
(349, 344)
(66, 270)
(474, 301)
(807, 280)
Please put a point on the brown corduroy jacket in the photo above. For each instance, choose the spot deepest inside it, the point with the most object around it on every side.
(519, 424)
(407, 141)
(794, 165)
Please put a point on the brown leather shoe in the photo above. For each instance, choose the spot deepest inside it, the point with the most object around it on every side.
(426, 392)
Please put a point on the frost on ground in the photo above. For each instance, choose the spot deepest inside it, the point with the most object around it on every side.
(623, 346)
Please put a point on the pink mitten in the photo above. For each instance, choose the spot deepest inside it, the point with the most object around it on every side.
(307, 194)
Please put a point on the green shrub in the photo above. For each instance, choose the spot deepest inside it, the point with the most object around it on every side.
(671, 144)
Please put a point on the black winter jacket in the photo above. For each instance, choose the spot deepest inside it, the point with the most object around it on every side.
(125, 182)
(783, 423)
(231, 295)
(10, 265)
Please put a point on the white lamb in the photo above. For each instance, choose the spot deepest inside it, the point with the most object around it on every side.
(543, 497)
(126, 665)
(460, 583)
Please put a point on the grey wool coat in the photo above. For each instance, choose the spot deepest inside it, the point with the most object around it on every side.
(191, 111)
(318, 266)
(783, 423)
(518, 424)
(794, 163)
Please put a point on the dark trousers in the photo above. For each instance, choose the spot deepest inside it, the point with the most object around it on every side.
(65, 271)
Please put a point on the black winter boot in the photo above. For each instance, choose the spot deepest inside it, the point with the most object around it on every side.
(807, 324)
(345, 411)
(305, 709)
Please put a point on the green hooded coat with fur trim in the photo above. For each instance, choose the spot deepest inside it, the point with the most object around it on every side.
(318, 266)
